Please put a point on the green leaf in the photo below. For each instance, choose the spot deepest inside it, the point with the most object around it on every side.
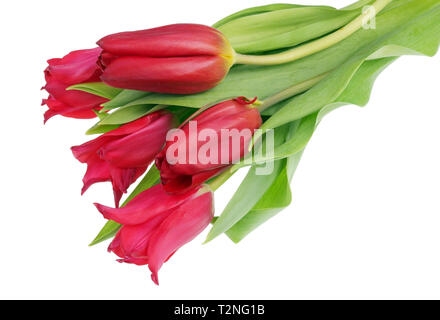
(284, 28)
(111, 121)
(414, 26)
(111, 227)
(254, 11)
(97, 88)
(277, 197)
(127, 114)
(303, 128)
(99, 129)
(250, 191)
(108, 231)
(359, 4)
(123, 98)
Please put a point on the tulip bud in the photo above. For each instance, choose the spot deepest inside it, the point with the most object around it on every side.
(76, 67)
(156, 224)
(123, 154)
(178, 58)
(229, 126)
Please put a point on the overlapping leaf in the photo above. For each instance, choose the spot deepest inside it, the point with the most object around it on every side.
(284, 28)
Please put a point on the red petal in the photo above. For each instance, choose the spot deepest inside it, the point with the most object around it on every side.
(76, 67)
(175, 40)
(182, 226)
(97, 171)
(181, 75)
(139, 148)
(145, 206)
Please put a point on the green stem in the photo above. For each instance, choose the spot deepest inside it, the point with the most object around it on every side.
(290, 92)
(317, 45)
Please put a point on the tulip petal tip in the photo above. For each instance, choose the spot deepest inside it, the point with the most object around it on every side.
(155, 278)
(101, 209)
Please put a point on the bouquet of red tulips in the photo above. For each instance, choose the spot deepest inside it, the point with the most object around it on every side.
(185, 106)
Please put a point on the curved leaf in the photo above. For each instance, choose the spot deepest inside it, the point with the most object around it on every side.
(284, 28)
(415, 28)
(253, 11)
(97, 88)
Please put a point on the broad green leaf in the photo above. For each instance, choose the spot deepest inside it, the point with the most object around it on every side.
(99, 115)
(417, 29)
(127, 114)
(277, 197)
(111, 227)
(284, 28)
(98, 129)
(123, 98)
(250, 191)
(111, 121)
(359, 4)
(304, 129)
(97, 88)
(253, 11)
(357, 92)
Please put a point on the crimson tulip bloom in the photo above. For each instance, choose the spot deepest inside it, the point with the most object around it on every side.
(123, 154)
(178, 58)
(156, 224)
(232, 116)
(76, 67)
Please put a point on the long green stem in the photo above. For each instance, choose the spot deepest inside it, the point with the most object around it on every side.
(317, 45)
(290, 92)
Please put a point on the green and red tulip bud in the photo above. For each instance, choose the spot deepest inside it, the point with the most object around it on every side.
(179, 58)
(186, 161)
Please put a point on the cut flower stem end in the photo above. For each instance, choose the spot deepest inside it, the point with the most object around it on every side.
(317, 45)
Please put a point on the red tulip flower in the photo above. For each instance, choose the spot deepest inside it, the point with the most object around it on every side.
(156, 224)
(123, 154)
(178, 58)
(232, 117)
(76, 67)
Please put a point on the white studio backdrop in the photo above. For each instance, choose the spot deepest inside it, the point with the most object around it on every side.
(365, 218)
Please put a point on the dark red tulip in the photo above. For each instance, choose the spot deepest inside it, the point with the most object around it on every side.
(178, 58)
(123, 154)
(156, 224)
(76, 67)
(196, 166)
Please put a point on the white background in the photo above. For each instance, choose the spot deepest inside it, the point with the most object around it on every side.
(365, 219)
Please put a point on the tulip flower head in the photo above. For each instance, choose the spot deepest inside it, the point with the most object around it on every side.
(123, 154)
(156, 224)
(76, 67)
(178, 58)
(207, 144)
